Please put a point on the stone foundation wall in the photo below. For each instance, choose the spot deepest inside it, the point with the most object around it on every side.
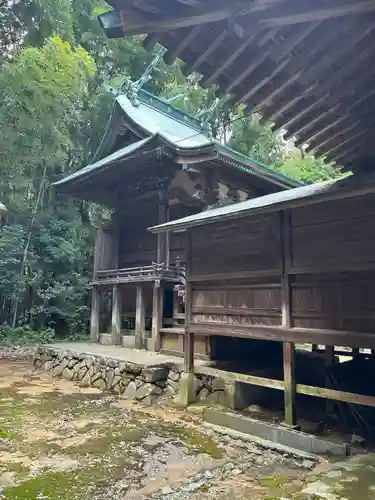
(131, 380)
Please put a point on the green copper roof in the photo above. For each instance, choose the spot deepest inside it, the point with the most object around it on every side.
(152, 118)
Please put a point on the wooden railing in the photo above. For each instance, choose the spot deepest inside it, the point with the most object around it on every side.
(175, 273)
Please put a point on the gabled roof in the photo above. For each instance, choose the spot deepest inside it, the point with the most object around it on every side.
(153, 119)
(301, 196)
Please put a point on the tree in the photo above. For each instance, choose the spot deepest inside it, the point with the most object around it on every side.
(43, 92)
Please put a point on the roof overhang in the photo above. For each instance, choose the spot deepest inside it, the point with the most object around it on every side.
(307, 66)
(314, 193)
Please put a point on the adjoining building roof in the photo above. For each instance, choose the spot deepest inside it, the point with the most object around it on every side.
(307, 66)
(155, 119)
(313, 193)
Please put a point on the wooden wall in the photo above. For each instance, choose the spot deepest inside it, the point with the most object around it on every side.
(318, 262)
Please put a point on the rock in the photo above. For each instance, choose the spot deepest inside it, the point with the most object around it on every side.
(191, 487)
(133, 368)
(217, 384)
(89, 361)
(131, 391)
(100, 384)
(203, 394)
(7, 478)
(48, 365)
(72, 363)
(254, 409)
(109, 378)
(169, 391)
(111, 363)
(198, 384)
(117, 371)
(67, 373)
(167, 490)
(86, 380)
(138, 382)
(155, 374)
(215, 397)
(148, 390)
(175, 385)
(122, 366)
(308, 464)
(173, 375)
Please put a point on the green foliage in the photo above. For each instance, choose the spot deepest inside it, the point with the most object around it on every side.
(307, 168)
(24, 335)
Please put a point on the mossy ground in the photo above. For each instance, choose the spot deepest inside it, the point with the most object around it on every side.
(60, 441)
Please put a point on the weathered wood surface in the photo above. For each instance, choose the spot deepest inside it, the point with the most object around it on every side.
(116, 316)
(140, 318)
(289, 384)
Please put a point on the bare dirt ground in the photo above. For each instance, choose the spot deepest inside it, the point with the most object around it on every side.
(61, 441)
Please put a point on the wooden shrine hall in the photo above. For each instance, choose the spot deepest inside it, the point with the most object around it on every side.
(155, 163)
(294, 267)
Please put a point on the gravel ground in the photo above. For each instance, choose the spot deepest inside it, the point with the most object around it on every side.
(62, 441)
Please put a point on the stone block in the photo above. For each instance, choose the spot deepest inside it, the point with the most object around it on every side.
(174, 375)
(146, 390)
(48, 365)
(203, 394)
(86, 380)
(109, 377)
(100, 384)
(67, 374)
(133, 368)
(186, 392)
(130, 391)
(217, 384)
(155, 374)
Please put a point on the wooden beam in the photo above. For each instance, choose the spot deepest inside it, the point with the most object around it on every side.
(238, 78)
(116, 316)
(211, 47)
(172, 54)
(310, 15)
(314, 144)
(95, 314)
(140, 318)
(345, 397)
(280, 334)
(157, 315)
(132, 23)
(289, 384)
(236, 51)
(240, 377)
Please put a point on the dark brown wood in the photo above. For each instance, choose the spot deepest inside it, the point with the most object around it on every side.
(95, 314)
(295, 334)
(116, 316)
(289, 384)
(188, 351)
(346, 397)
(157, 315)
(240, 377)
(329, 355)
(140, 318)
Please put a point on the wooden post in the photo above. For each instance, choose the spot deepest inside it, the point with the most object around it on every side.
(329, 362)
(157, 314)
(355, 352)
(161, 237)
(188, 351)
(286, 322)
(290, 384)
(140, 318)
(95, 314)
(116, 316)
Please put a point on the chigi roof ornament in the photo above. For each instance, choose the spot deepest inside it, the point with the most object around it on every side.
(131, 89)
(206, 114)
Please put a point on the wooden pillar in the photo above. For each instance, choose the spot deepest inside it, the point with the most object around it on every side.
(290, 384)
(140, 318)
(116, 315)
(355, 352)
(286, 322)
(157, 314)
(188, 351)
(95, 314)
(162, 237)
(329, 362)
